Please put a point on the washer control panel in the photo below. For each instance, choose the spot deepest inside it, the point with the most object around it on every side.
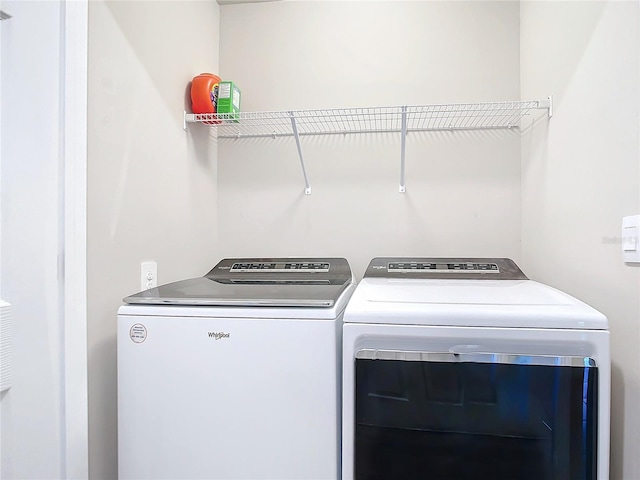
(280, 267)
(283, 271)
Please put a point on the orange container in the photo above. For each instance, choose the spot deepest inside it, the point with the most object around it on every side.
(204, 93)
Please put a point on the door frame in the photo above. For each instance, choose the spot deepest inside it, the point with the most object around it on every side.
(73, 93)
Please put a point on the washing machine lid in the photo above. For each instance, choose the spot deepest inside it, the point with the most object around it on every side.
(257, 282)
(463, 292)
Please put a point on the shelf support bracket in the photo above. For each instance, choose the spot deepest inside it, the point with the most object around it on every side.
(403, 143)
(307, 187)
(548, 104)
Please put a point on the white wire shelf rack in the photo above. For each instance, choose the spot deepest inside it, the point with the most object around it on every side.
(397, 119)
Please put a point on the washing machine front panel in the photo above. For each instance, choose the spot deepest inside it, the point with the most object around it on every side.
(460, 395)
(235, 398)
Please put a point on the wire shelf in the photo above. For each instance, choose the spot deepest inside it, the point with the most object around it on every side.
(418, 118)
(401, 119)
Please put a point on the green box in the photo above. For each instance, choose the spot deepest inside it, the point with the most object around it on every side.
(228, 100)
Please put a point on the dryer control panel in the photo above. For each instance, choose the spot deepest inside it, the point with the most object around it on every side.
(467, 267)
(445, 268)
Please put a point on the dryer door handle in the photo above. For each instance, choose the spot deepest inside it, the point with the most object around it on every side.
(475, 357)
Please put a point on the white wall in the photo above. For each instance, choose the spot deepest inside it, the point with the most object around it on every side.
(581, 175)
(463, 188)
(151, 185)
(32, 411)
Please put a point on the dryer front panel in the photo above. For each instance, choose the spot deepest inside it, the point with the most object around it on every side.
(462, 404)
(442, 418)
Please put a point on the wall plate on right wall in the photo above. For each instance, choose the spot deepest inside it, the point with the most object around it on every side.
(631, 239)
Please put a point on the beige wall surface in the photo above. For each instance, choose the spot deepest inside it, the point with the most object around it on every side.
(151, 185)
(581, 175)
(463, 188)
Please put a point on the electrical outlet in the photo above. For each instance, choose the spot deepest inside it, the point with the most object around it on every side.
(148, 274)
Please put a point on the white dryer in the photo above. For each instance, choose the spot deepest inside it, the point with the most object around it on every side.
(460, 369)
(234, 375)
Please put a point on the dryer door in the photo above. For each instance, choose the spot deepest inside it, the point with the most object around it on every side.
(480, 416)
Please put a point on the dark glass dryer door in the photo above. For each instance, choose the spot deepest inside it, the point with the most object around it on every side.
(478, 416)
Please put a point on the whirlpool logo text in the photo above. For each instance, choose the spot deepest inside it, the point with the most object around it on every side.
(219, 335)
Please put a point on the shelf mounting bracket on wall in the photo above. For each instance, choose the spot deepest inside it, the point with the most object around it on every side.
(548, 104)
(307, 187)
(402, 148)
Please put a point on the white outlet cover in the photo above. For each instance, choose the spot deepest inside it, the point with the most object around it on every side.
(148, 274)
(631, 239)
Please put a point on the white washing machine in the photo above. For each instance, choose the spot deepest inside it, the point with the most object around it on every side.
(459, 369)
(234, 375)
